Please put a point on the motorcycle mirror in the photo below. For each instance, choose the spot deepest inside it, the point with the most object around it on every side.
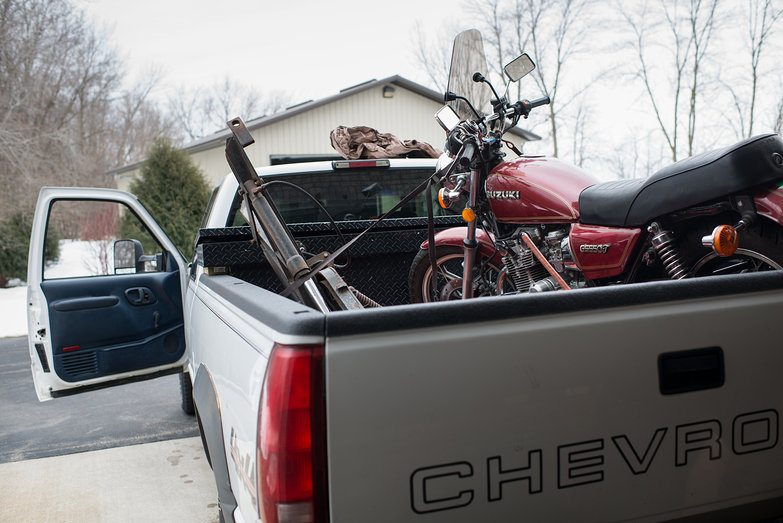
(519, 67)
(447, 118)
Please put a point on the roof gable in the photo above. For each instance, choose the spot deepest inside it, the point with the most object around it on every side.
(211, 141)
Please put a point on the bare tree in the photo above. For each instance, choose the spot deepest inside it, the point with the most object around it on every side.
(640, 155)
(580, 147)
(553, 32)
(778, 125)
(135, 122)
(761, 16)
(673, 87)
(185, 108)
(60, 87)
(551, 44)
(203, 110)
(624, 161)
(98, 228)
(53, 74)
(432, 52)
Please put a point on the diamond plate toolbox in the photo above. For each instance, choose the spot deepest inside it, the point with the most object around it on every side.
(378, 263)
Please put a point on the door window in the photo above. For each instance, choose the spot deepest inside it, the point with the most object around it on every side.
(97, 238)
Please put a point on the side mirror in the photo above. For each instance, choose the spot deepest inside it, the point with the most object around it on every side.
(127, 256)
(519, 67)
(447, 118)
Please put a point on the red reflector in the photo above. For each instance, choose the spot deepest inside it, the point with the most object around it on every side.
(71, 348)
(290, 461)
(354, 164)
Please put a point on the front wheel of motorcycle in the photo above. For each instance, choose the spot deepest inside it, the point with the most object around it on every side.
(449, 268)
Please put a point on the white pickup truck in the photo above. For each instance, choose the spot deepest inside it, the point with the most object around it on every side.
(643, 402)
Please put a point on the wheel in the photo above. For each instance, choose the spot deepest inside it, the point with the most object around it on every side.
(186, 391)
(760, 249)
(449, 267)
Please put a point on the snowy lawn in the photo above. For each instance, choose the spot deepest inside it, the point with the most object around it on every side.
(13, 314)
(75, 260)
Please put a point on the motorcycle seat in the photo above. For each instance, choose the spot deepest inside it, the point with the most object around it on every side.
(689, 182)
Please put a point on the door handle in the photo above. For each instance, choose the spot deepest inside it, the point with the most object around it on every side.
(140, 296)
(691, 370)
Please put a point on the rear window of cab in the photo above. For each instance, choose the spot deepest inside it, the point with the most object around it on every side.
(348, 194)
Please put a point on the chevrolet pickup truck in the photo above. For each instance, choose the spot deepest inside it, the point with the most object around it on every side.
(645, 402)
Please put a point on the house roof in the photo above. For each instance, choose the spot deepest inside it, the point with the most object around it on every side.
(209, 142)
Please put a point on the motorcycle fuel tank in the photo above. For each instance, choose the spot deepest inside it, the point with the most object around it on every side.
(536, 190)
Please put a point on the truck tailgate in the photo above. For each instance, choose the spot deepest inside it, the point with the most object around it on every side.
(645, 402)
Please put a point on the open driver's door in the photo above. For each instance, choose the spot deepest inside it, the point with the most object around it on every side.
(105, 293)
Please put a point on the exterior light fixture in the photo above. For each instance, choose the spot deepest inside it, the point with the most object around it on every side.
(388, 91)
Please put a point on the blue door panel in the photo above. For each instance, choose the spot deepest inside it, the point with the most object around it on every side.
(100, 326)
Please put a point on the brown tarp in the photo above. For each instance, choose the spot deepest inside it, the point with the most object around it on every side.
(364, 142)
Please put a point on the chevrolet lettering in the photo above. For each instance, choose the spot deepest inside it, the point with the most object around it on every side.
(455, 485)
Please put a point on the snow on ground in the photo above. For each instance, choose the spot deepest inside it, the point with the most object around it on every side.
(75, 257)
(13, 314)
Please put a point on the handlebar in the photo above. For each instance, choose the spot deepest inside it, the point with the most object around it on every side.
(468, 152)
(539, 102)
(523, 107)
(462, 139)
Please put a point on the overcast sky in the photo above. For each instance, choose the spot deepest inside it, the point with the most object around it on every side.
(311, 47)
(314, 48)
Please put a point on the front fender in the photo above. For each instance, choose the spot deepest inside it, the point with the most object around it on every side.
(456, 235)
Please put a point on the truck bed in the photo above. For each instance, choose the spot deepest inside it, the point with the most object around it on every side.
(647, 402)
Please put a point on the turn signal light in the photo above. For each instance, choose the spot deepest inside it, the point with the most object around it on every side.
(468, 215)
(442, 199)
(724, 240)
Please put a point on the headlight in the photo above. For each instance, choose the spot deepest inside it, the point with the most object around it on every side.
(443, 162)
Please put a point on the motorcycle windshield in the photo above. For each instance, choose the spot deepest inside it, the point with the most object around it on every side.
(468, 58)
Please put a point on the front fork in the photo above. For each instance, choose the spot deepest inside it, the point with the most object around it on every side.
(469, 243)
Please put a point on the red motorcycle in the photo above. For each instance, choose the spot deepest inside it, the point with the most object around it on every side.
(537, 224)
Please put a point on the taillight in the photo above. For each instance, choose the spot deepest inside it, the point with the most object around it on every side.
(291, 448)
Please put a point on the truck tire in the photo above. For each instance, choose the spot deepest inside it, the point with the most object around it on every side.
(186, 391)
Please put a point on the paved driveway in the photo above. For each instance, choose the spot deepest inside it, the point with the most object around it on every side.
(126, 453)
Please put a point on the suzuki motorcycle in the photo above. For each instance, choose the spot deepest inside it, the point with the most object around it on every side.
(536, 224)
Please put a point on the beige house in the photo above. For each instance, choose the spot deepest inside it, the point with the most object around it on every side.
(392, 105)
